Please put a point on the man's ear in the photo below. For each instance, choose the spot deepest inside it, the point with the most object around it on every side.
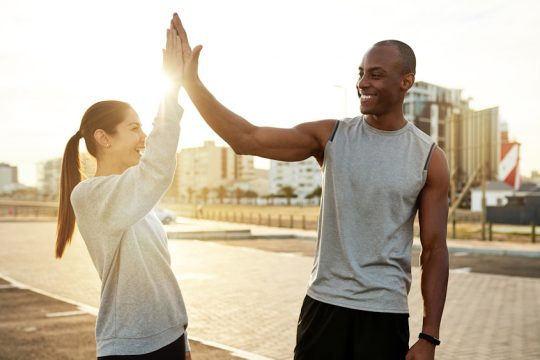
(102, 139)
(407, 81)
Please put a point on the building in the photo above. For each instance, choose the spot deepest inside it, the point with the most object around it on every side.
(431, 107)
(48, 178)
(49, 173)
(496, 195)
(535, 177)
(9, 178)
(470, 138)
(302, 176)
(201, 170)
(8, 175)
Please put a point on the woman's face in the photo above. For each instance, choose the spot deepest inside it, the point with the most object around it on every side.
(128, 143)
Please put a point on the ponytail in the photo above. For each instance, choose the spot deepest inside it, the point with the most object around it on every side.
(71, 176)
(105, 115)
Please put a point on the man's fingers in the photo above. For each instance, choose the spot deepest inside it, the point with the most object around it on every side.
(177, 23)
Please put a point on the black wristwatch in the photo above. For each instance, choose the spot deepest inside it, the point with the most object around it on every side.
(429, 338)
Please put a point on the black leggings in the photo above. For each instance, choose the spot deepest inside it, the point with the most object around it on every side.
(174, 351)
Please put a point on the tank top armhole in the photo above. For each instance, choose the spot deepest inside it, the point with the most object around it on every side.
(430, 154)
(334, 131)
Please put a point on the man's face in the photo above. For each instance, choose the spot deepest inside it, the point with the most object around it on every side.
(380, 84)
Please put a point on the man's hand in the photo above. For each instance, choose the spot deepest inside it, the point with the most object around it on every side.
(188, 355)
(190, 57)
(421, 350)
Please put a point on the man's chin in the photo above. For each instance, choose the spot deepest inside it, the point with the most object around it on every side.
(366, 111)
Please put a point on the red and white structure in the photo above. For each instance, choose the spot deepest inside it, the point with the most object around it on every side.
(509, 164)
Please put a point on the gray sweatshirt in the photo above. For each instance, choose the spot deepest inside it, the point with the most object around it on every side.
(141, 307)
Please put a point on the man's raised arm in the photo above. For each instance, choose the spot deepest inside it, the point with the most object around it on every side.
(294, 144)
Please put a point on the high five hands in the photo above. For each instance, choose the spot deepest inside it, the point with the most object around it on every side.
(180, 62)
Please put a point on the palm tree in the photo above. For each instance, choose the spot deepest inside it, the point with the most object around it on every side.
(250, 194)
(287, 192)
(317, 192)
(239, 194)
(204, 194)
(221, 193)
(190, 192)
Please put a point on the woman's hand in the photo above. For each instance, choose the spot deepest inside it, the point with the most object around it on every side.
(173, 63)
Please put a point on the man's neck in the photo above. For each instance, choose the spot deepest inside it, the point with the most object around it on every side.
(387, 122)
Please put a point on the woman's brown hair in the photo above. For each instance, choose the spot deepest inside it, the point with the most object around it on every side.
(105, 115)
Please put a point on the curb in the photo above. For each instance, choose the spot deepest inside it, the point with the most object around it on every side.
(246, 234)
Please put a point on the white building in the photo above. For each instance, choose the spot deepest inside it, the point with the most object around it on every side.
(303, 176)
(48, 177)
(9, 180)
(8, 175)
(49, 172)
(496, 193)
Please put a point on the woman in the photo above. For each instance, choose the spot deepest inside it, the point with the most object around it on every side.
(142, 313)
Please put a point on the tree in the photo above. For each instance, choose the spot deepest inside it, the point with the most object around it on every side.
(239, 194)
(287, 192)
(221, 193)
(204, 194)
(317, 192)
(250, 194)
(190, 192)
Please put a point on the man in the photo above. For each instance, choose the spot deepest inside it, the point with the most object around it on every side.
(378, 170)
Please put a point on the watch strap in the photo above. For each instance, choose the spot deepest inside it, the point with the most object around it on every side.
(429, 338)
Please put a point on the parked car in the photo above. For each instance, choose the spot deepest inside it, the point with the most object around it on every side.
(165, 216)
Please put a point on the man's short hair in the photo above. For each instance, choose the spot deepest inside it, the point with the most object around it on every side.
(407, 54)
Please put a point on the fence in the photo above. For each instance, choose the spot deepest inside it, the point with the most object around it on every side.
(28, 209)
(292, 221)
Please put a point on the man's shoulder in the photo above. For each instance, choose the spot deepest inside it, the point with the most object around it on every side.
(422, 136)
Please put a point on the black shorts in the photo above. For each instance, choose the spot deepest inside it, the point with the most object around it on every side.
(332, 332)
(174, 351)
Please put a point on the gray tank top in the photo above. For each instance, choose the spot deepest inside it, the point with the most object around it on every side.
(371, 182)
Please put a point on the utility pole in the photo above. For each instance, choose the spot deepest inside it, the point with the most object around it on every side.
(483, 201)
(453, 168)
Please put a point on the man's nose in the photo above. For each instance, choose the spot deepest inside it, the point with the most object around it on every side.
(362, 83)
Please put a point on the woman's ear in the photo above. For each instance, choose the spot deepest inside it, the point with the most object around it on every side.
(102, 139)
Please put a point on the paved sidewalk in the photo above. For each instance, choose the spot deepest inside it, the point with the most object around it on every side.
(249, 299)
(454, 245)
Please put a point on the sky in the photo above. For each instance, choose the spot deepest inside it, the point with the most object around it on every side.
(276, 63)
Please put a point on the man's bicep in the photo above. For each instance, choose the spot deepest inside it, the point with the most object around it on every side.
(293, 144)
(433, 204)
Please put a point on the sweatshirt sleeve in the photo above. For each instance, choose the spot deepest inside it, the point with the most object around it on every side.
(122, 200)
